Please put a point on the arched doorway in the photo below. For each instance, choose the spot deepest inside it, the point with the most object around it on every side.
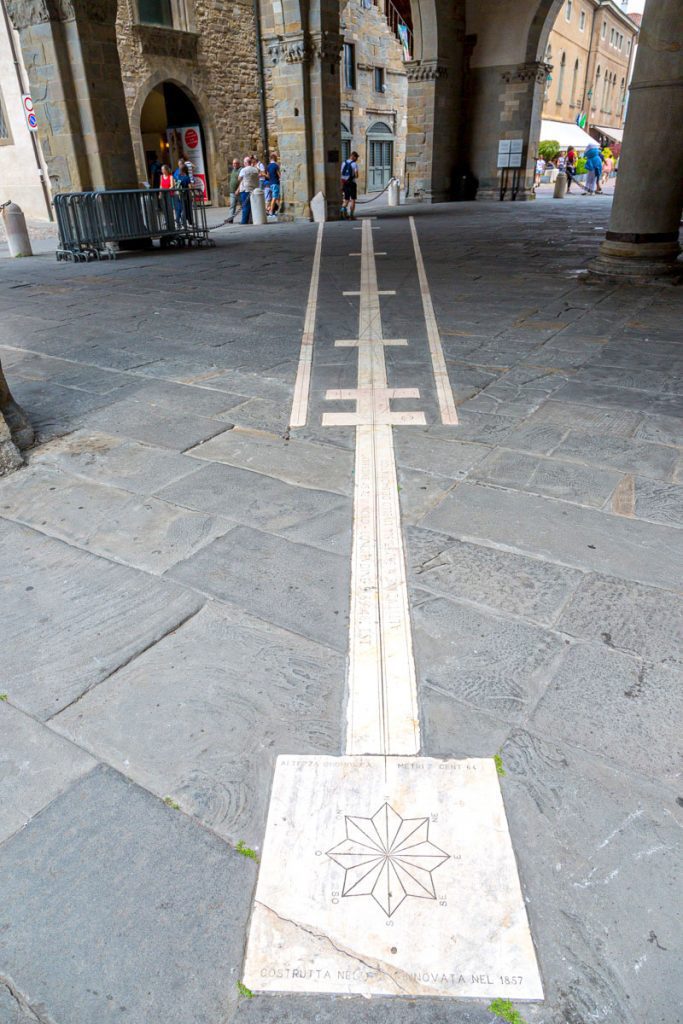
(171, 127)
(380, 156)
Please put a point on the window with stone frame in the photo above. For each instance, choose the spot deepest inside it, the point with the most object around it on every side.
(156, 12)
(379, 80)
(349, 66)
(574, 98)
(582, 21)
(560, 77)
(568, 10)
(5, 133)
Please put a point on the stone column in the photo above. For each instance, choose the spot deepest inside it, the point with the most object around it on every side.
(69, 50)
(642, 239)
(435, 82)
(504, 103)
(325, 111)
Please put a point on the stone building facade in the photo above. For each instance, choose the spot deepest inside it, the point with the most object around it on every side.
(189, 62)
(374, 95)
(590, 50)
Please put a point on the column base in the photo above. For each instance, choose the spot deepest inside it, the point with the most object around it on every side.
(638, 262)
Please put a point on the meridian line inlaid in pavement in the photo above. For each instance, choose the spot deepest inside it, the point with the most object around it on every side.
(302, 385)
(444, 392)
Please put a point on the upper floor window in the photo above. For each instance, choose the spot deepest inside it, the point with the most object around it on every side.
(379, 80)
(560, 77)
(156, 12)
(5, 136)
(582, 21)
(628, 46)
(349, 66)
(568, 10)
(603, 33)
(611, 38)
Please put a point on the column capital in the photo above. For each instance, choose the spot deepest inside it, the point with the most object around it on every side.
(426, 70)
(301, 47)
(530, 71)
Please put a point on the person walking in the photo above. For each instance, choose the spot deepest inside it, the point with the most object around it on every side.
(607, 167)
(349, 182)
(274, 182)
(182, 183)
(594, 168)
(249, 179)
(570, 167)
(540, 171)
(166, 179)
(234, 185)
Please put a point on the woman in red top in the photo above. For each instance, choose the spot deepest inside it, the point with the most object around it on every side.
(166, 181)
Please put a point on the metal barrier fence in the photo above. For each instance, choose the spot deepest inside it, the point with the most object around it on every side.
(93, 225)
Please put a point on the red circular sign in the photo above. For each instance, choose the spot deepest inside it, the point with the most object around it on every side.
(191, 138)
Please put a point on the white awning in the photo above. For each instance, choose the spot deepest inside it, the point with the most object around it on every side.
(567, 134)
(616, 134)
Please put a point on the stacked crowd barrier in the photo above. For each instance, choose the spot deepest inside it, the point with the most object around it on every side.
(97, 225)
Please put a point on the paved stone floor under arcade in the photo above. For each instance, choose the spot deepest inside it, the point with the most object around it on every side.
(417, 506)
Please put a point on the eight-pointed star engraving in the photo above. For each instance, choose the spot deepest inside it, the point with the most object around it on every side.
(388, 857)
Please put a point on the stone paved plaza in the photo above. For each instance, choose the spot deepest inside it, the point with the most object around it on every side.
(176, 572)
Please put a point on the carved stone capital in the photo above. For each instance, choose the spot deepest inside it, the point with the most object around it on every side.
(24, 13)
(327, 46)
(425, 70)
(290, 49)
(532, 71)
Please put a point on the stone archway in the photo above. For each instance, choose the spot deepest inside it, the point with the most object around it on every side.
(151, 86)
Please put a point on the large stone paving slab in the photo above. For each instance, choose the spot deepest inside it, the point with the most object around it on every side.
(295, 1009)
(619, 708)
(144, 532)
(154, 424)
(644, 621)
(500, 580)
(118, 908)
(70, 618)
(35, 767)
(132, 466)
(493, 664)
(600, 857)
(254, 499)
(294, 461)
(202, 714)
(561, 532)
(583, 485)
(291, 585)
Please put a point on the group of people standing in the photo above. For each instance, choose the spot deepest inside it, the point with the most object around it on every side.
(247, 177)
(599, 167)
(182, 182)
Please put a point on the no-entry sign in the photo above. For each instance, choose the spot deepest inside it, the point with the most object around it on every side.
(31, 119)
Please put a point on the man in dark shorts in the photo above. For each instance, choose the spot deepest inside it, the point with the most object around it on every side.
(349, 174)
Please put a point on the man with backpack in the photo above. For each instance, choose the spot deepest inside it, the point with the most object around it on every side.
(349, 174)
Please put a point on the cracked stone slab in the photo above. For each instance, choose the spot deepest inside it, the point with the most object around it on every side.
(35, 766)
(212, 749)
(400, 880)
(85, 616)
(149, 905)
(143, 532)
(560, 532)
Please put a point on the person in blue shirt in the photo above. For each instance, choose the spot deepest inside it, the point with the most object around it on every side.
(594, 168)
(273, 171)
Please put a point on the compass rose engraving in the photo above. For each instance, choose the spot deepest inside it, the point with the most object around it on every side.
(388, 857)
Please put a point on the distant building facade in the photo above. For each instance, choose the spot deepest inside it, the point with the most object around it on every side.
(590, 50)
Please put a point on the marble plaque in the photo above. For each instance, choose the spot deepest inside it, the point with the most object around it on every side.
(389, 876)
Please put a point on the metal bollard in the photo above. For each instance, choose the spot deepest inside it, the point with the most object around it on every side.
(394, 192)
(560, 185)
(258, 206)
(15, 227)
